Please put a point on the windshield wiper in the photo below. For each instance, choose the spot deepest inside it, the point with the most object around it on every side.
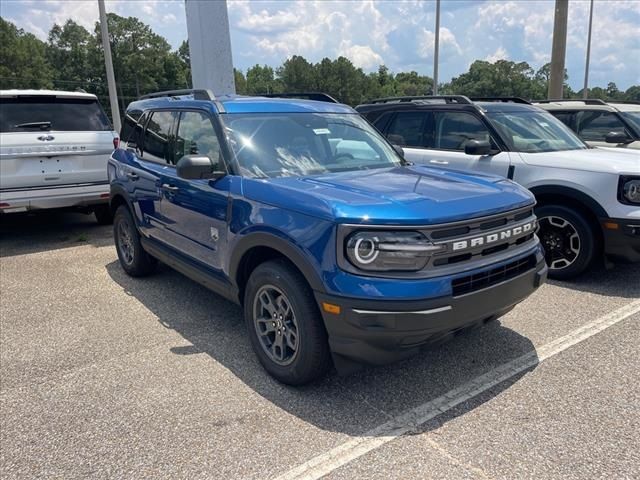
(40, 125)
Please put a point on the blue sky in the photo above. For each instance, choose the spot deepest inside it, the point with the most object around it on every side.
(396, 33)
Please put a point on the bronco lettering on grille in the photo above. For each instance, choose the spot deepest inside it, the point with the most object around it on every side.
(508, 234)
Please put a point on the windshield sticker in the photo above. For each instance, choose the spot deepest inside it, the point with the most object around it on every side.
(321, 131)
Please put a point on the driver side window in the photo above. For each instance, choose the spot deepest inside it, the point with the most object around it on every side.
(454, 129)
(196, 136)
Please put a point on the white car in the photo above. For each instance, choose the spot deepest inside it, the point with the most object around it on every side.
(600, 124)
(588, 198)
(54, 150)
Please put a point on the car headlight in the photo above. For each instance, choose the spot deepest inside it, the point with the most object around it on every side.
(629, 191)
(387, 251)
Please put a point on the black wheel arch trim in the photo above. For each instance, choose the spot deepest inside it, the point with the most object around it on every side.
(572, 193)
(281, 245)
(115, 191)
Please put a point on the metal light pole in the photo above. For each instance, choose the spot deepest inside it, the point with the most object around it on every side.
(558, 49)
(436, 49)
(108, 63)
(585, 92)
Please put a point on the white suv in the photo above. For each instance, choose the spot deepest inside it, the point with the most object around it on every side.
(600, 124)
(54, 149)
(588, 198)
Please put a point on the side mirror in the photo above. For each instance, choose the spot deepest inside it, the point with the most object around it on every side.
(477, 147)
(196, 167)
(399, 150)
(616, 137)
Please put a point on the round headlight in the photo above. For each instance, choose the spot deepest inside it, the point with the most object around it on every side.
(365, 250)
(631, 190)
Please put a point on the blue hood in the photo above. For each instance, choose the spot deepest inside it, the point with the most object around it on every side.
(416, 195)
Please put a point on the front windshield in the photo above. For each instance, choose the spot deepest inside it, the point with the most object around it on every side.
(533, 132)
(633, 118)
(296, 144)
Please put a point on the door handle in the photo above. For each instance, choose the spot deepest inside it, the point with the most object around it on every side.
(439, 162)
(171, 188)
(132, 176)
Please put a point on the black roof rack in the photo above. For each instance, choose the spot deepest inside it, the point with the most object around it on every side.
(588, 101)
(198, 94)
(447, 99)
(317, 96)
(501, 99)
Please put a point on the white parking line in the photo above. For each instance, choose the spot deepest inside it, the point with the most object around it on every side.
(411, 420)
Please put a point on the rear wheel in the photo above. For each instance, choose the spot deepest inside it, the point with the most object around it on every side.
(568, 239)
(286, 329)
(134, 260)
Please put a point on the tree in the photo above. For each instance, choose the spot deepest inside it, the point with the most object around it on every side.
(240, 82)
(24, 63)
(296, 75)
(261, 79)
(68, 50)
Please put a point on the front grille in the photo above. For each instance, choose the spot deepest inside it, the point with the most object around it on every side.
(478, 281)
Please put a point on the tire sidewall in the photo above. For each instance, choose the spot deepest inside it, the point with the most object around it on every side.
(585, 233)
(142, 264)
(305, 311)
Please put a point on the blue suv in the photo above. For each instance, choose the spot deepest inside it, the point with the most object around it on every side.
(339, 251)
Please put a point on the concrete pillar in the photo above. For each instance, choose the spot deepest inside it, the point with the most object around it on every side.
(210, 46)
(558, 49)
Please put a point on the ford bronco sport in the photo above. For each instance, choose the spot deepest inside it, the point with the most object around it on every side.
(588, 198)
(298, 210)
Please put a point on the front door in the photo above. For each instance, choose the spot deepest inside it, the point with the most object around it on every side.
(195, 211)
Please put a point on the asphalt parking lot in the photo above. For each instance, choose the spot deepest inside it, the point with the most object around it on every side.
(102, 375)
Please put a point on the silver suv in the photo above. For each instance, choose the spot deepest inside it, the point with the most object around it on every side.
(599, 124)
(54, 149)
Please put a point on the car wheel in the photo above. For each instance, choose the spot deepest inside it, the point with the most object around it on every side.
(134, 260)
(286, 329)
(103, 215)
(568, 239)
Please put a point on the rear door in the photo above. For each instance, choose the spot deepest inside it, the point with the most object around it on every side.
(48, 141)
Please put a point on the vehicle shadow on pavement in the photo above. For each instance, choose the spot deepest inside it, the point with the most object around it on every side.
(22, 233)
(351, 404)
(622, 280)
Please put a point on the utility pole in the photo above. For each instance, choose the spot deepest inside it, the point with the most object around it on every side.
(108, 63)
(585, 91)
(558, 49)
(210, 46)
(436, 49)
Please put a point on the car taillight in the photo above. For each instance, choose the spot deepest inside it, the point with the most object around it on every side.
(116, 142)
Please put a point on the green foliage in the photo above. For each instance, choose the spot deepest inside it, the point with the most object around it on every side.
(144, 62)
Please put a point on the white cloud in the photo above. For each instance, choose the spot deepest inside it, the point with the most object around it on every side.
(499, 54)
(361, 56)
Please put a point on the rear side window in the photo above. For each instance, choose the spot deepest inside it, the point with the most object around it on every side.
(408, 129)
(158, 138)
(595, 125)
(564, 117)
(28, 114)
(129, 124)
(454, 129)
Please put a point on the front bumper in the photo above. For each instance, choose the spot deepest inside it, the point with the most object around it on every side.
(622, 239)
(377, 332)
(63, 196)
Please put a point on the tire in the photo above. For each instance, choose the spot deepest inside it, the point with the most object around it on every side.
(103, 215)
(293, 346)
(134, 260)
(568, 239)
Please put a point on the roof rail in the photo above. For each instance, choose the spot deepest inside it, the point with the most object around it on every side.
(501, 99)
(447, 99)
(317, 96)
(198, 94)
(628, 102)
(588, 101)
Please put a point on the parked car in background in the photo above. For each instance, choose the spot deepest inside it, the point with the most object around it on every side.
(588, 199)
(54, 148)
(599, 124)
(305, 215)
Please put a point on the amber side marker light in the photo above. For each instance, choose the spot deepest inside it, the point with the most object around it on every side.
(331, 308)
(611, 225)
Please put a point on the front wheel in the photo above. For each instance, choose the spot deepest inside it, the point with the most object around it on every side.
(568, 239)
(285, 327)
